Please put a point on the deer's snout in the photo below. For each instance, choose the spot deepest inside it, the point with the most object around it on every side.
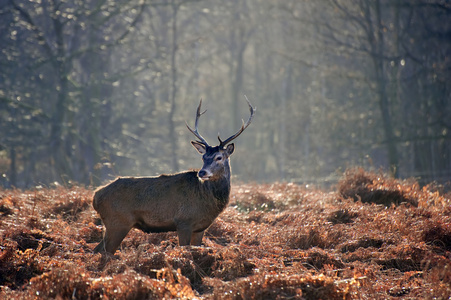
(204, 175)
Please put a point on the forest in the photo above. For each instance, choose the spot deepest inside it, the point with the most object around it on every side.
(91, 90)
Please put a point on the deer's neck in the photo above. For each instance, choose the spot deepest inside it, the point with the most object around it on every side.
(220, 189)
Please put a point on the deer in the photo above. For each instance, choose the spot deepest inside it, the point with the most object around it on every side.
(187, 202)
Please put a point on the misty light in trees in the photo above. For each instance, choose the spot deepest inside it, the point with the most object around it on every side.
(84, 84)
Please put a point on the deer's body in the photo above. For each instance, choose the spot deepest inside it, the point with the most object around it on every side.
(156, 204)
(186, 202)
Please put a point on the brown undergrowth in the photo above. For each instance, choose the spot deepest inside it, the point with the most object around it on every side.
(372, 238)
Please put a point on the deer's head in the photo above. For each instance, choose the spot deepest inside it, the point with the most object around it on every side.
(216, 159)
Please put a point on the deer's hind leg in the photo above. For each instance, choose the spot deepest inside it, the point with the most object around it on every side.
(112, 239)
(100, 247)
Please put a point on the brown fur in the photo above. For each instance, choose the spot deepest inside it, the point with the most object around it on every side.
(180, 202)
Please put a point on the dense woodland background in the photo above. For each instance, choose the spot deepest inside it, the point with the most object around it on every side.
(94, 89)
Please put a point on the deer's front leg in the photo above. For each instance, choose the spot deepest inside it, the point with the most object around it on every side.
(196, 238)
(184, 232)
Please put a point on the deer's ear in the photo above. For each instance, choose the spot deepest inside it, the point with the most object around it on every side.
(230, 148)
(199, 147)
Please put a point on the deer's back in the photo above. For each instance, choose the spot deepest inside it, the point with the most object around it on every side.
(136, 193)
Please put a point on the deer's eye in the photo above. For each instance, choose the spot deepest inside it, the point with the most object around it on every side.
(218, 158)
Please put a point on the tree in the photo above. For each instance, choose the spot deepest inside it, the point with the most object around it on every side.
(55, 38)
(381, 32)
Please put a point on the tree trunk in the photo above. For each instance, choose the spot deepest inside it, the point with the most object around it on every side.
(13, 168)
(60, 163)
(377, 45)
(172, 133)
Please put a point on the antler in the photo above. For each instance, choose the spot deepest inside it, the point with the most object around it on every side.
(243, 127)
(196, 132)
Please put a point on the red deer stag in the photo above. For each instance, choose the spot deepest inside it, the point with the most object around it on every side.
(186, 202)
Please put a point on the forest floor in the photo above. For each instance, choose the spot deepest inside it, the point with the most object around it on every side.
(371, 237)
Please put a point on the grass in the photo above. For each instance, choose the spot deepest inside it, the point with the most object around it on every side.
(372, 237)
